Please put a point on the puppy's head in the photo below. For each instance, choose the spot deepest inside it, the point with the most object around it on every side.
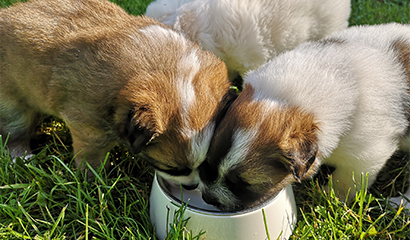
(259, 148)
(177, 152)
(174, 104)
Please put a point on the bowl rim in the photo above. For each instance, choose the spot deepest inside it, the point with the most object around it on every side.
(160, 182)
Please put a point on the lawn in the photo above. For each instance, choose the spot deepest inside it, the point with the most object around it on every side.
(45, 198)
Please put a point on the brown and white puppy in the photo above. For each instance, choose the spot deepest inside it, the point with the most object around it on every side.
(111, 77)
(343, 101)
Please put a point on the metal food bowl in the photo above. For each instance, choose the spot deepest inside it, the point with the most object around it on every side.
(280, 213)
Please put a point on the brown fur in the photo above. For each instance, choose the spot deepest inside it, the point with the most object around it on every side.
(402, 48)
(87, 63)
(345, 109)
(286, 138)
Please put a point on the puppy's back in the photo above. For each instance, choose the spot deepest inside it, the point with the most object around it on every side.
(47, 47)
(345, 80)
(91, 64)
(376, 36)
(246, 34)
(47, 23)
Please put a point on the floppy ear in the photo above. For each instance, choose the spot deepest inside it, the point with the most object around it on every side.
(301, 157)
(139, 134)
(224, 105)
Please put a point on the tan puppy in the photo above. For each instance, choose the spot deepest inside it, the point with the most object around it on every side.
(111, 77)
(343, 101)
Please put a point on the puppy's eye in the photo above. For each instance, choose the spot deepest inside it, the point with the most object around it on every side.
(278, 165)
(237, 185)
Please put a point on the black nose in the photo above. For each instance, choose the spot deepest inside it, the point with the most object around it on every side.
(190, 187)
(210, 199)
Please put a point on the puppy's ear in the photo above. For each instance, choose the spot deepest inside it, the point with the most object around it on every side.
(301, 157)
(225, 103)
(139, 134)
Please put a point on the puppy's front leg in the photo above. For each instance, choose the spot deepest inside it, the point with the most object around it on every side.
(343, 179)
(17, 123)
(405, 198)
(91, 145)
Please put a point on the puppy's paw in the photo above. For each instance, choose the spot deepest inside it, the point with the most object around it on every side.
(19, 151)
(22, 157)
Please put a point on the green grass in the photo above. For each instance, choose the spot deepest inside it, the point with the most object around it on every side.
(379, 11)
(45, 198)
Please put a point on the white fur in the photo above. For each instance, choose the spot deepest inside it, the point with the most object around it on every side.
(356, 89)
(246, 34)
(199, 144)
(188, 67)
(175, 181)
(159, 34)
(238, 150)
(161, 9)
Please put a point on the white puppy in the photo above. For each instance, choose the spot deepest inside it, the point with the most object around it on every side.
(246, 34)
(343, 101)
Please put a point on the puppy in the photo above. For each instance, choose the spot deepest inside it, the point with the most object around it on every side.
(111, 77)
(246, 34)
(343, 101)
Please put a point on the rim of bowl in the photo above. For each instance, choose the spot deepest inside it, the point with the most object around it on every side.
(193, 208)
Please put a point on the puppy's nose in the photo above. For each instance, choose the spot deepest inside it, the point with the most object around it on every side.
(190, 187)
(210, 199)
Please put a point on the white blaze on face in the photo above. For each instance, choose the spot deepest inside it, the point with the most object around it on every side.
(157, 33)
(188, 67)
(200, 143)
(242, 142)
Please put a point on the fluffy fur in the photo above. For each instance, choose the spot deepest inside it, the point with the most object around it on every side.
(111, 77)
(162, 9)
(343, 101)
(246, 34)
